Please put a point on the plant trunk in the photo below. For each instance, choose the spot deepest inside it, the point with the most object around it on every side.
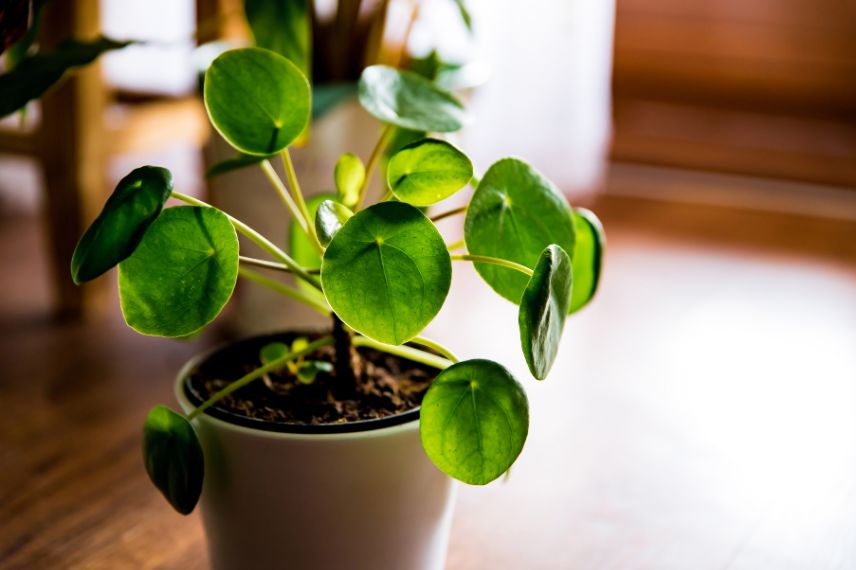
(344, 364)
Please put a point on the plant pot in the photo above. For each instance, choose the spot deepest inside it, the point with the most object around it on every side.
(354, 495)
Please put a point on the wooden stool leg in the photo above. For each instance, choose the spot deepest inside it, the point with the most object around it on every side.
(71, 151)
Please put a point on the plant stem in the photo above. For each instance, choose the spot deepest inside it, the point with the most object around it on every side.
(256, 238)
(407, 352)
(275, 181)
(374, 158)
(291, 176)
(456, 245)
(272, 265)
(259, 372)
(495, 261)
(436, 346)
(449, 213)
(291, 292)
(344, 352)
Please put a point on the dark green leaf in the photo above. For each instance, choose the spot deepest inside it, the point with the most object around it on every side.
(234, 163)
(544, 308)
(428, 171)
(474, 421)
(173, 458)
(283, 26)
(350, 174)
(36, 74)
(588, 257)
(514, 214)
(387, 272)
(116, 232)
(329, 219)
(182, 273)
(408, 100)
(257, 99)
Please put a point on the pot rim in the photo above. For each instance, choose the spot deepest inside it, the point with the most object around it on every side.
(378, 427)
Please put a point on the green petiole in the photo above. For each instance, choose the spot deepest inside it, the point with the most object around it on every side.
(494, 261)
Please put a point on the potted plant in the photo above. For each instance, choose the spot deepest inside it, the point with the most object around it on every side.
(331, 45)
(338, 449)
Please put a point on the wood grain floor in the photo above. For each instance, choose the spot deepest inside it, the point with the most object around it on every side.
(701, 415)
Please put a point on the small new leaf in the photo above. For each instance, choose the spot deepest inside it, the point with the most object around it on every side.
(544, 308)
(272, 351)
(173, 458)
(427, 171)
(474, 421)
(350, 174)
(329, 219)
(408, 100)
(133, 206)
(308, 371)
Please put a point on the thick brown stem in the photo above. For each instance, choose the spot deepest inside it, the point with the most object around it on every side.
(346, 379)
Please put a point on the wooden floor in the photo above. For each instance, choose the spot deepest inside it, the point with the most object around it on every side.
(701, 415)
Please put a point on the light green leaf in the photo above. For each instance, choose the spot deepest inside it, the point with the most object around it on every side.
(350, 175)
(544, 308)
(408, 100)
(173, 458)
(427, 171)
(129, 211)
(387, 272)
(588, 257)
(514, 214)
(282, 26)
(257, 99)
(182, 273)
(474, 421)
(329, 219)
(36, 74)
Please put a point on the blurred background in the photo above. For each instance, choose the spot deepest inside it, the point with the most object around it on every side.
(702, 412)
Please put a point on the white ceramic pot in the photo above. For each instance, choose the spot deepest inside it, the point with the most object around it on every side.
(367, 499)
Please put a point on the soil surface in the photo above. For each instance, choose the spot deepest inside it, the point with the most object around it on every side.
(386, 385)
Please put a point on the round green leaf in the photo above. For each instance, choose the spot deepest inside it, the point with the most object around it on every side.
(514, 214)
(173, 458)
(408, 100)
(387, 272)
(428, 171)
(257, 99)
(474, 421)
(136, 202)
(588, 257)
(544, 308)
(350, 174)
(329, 219)
(182, 273)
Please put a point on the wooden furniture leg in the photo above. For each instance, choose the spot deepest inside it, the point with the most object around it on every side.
(70, 150)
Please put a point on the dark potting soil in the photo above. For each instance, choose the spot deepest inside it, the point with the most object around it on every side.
(386, 385)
